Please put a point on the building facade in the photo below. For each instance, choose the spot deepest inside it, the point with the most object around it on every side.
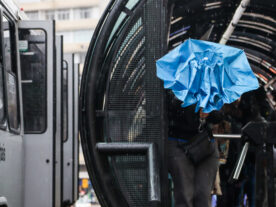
(75, 20)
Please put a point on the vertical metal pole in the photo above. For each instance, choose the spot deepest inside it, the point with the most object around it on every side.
(238, 14)
(154, 178)
(241, 161)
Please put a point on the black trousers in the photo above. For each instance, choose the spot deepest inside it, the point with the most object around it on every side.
(192, 184)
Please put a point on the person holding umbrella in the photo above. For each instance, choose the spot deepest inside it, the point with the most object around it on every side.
(202, 76)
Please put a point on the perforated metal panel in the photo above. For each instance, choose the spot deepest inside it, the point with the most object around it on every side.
(134, 98)
(128, 95)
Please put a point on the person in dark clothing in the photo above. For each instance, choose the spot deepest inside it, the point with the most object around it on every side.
(231, 191)
(254, 108)
(251, 106)
(192, 183)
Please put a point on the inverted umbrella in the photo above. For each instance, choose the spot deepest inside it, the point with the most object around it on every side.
(206, 74)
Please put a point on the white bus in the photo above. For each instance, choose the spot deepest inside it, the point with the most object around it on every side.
(38, 112)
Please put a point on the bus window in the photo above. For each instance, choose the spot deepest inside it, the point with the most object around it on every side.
(33, 67)
(2, 109)
(65, 100)
(11, 80)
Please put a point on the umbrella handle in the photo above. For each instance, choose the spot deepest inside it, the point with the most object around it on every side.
(202, 124)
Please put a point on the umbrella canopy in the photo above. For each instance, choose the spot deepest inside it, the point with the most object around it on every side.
(206, 74)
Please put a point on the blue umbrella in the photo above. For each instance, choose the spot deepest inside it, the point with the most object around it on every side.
(206, 74)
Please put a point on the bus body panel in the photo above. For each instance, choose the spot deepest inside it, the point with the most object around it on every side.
(11, 165)
(68, 148)
(39, 148)
(11, 142)
(76, 131)
(58, 140)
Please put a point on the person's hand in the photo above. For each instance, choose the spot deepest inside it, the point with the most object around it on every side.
(202, 114)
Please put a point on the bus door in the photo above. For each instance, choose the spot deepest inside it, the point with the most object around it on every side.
(68, 141)
(76, 130)
(11, 144)
(59, 114)
(37, 56)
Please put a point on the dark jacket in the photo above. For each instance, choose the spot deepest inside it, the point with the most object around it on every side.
(184, 122)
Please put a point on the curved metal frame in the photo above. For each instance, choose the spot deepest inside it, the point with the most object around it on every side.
(121, 148)
(96, 169)
(92, 106)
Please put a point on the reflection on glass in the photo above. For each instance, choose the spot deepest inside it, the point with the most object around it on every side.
(33, 66)
(10, 68)
(65, 100)
(7, 43)
(2, 111)
(12, 101)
